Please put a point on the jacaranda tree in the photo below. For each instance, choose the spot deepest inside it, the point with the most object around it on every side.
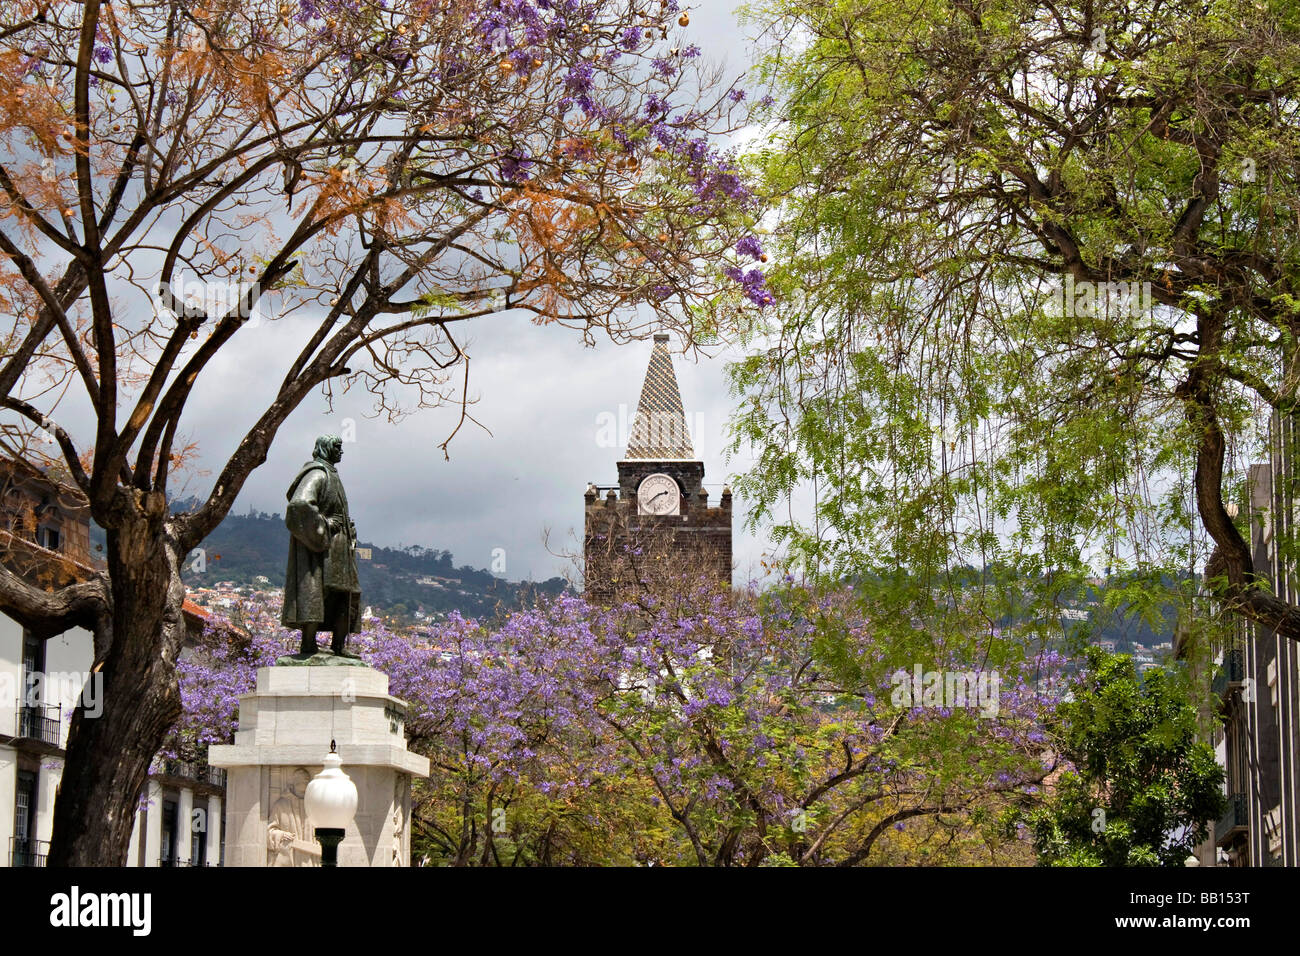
(381, 172)
(696, 728)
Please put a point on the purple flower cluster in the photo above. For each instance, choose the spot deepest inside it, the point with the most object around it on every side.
(580, 77)
(753, 285)
(514, 167)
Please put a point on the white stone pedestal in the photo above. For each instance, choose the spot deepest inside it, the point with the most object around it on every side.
(285, 725)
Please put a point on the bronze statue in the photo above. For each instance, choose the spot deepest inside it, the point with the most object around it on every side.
(321, 589)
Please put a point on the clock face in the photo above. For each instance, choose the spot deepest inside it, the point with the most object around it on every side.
(658, 495)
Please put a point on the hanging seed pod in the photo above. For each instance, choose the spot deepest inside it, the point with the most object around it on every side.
(684, 20)
(507, 66)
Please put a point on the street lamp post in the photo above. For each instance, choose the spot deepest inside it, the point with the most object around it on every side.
(331, 801)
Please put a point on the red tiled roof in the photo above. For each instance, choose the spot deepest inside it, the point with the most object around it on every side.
(196, 610)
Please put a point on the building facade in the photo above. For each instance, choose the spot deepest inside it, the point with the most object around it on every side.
(656, 522)
(45, 537)
(1256, 688)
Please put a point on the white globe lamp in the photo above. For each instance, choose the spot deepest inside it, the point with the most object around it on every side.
(331, 801)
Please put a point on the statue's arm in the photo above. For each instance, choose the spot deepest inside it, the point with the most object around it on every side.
(276, 834)
(303, 516)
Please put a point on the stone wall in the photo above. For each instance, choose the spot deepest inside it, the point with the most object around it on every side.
(626, 553)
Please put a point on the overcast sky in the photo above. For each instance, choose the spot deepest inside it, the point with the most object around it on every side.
(541, 393)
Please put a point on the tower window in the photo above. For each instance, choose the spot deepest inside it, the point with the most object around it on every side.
(48, 537)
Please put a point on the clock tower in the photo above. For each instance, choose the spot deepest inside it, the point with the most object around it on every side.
(656, 523)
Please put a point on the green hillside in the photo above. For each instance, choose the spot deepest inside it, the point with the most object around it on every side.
(396, 583)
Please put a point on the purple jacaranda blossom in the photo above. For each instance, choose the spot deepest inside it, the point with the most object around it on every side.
(752, 283)
(694, 696)
(579, 79)
(514, 166)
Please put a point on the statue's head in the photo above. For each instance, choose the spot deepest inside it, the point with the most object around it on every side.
(298, 782)
(329, 448)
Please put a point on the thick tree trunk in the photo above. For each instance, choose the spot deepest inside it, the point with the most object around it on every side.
(108, 757)
(1230, 571)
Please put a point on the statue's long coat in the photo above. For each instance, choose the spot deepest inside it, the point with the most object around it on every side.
(318, 561)
(289, 816)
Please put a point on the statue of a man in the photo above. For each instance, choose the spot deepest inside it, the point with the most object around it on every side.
(321, 589)
(289, 840)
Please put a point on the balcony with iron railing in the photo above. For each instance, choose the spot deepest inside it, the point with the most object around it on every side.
(38, 722)
(1236, 820)
(28, 852)
(194, 770)
(1231, 675)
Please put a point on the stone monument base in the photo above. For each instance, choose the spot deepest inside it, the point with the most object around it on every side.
(285, 726)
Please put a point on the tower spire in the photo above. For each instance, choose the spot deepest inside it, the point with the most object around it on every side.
(659, 430)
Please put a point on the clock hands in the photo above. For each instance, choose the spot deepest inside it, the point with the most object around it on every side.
(649, 503)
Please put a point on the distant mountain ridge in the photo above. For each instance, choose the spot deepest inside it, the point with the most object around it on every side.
(397, 582)
(401, 583)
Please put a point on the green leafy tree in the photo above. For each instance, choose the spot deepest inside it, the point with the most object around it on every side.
(1036, 273)
(1142, 786)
